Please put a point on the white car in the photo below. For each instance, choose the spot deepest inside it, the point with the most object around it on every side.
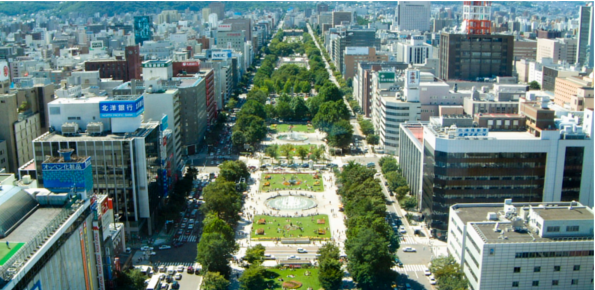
(402, 230)
(152, 253)
(190, 226)
(178, 276)
(432, 280)
(162, 268)
(409, 249)
(300, 250)
(181, 268)
(378, 174)
(293, 257)
(164, 247)
(427, 272)
(146, 248)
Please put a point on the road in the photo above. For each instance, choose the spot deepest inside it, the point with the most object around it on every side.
(282, 252)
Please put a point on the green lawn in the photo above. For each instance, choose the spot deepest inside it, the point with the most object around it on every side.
(272, 277)
(6, 253)
(306, 182)
(293, 153)
(296, 128)
(290, 225)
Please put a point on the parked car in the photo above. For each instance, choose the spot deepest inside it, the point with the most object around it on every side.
(402, 230)
(432, 280)
(162, 269)
(164, 247)
(175, 285)
(371, 164)
(300, 250)
(178, 276)
(293, 257)
(427, 272)
(409, 249)
(190, 270)
(305, 165)
(180, 268)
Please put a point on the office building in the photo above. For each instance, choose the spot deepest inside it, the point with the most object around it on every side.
(413, 15)
(585, 51)
(211, 100)
(131, 160)
(519, 245)
(118, 69)
(555, 152)
(524, 49)
(238, 24)
(168, 16)
(193, 112)
(231, 40)
(414, 51)
(362, 81)
(574, 93)
(322, 7)
(470, 57)
(549, 34)
(352, 37)
(354, 55)
(551, 72)
(560, 49)
(218, 8)
(339, 17)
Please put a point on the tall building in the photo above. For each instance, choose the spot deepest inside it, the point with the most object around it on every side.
(469, 57)
(414, 51)
(362, 81)
(168, 16)
(354, 55)
(211, 101)
(476, 17)
(544, 245)
(238, 24)
(414, 15)
(559, 49)
(218, 8)
(545, 160)
(584, 55)
(193, 111)
(340, 16)
(574, 93)
(322, 7)
(352, 37)
(231, 40)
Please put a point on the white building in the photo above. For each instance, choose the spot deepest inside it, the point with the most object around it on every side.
(413, 15)
(157, 70)
(523, 245)
(414, 51)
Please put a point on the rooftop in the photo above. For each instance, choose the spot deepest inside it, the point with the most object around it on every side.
(142, 131)
(32, 225)
(565, 214)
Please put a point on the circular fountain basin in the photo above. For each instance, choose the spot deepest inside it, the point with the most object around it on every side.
(291, 203)
(293, 136)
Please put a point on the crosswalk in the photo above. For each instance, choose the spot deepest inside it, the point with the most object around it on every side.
(187, 239)
(185, 264)
(406, 240)
(410, 268)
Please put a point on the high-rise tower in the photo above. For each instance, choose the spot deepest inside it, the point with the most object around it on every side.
(476, 17)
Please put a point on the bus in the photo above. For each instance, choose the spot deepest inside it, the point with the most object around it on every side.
(154, 284)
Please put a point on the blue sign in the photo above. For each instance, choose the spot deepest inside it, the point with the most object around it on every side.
(142, 29)
(165, 182)
(164, 123)
(64, 177)
(122, 109)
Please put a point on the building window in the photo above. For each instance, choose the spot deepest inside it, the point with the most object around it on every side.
(553, 229)
(535, 283)
(572, 228)
(556, 268)
(554, 282)
(537, 269)
(515, 284)
(574, 282)
(576, 268)
(517, 269)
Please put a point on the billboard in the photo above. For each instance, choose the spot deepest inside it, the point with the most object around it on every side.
(350, 50)
(122, 109)
(96, 45)
(142, 29)
(222, 54)
(386, 77)
(63, 177)
(224, 27)
(164, 123)
(412, 77)
(4, 71)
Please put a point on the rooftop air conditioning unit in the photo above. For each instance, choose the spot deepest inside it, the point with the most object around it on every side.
(70, 128)
(95, 128)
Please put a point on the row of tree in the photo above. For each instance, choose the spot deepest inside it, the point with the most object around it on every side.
(367, 129)
(397, 182)
(371, 243)
(223, 203)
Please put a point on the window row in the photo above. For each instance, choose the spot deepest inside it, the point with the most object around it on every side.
(523, 255)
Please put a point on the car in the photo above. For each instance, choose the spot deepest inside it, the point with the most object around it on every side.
(175, 285)
(371, 164)
(305, 165)
(169, 278)
(293, 257)
(432, 280)
(292, 165)
(146, 248)
(408, 286)
(391, 192)
(180, 268)
(188, 232)
(402, 230)
(164, 247)
(377, 174)
(300, 250)
(178, 276)
(185, 220)
(332, 165)
(190, 226)
(128, 251)
(409, 249)
(164, 286)
(191, 221)
(190, 270)
(147, 282)
(152, 253)
(427, 272)
(269, 257)
(162, 268)
(183, 225)
(162, 276)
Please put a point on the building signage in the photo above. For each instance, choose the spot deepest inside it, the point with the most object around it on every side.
(156, 64)
(224, 27)
(412, 77)
(121, 109)
(98, 260)
(4, 71)
(386, 77)
(220, 55)
(190, 63)
(96, 45)
(472, 132)
(142, 29)
(356, 50)
(164, 123)
(165, 182)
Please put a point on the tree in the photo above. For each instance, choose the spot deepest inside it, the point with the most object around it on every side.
(369, 260)
(330, 274)
(298, 108)
(233, 170)
(340, 134)
(214, 254)
(384, 159)
(255, 254)
(365, 125)
(329, 113)
(253, 278)
(222, 198)
(270, 111)
(132, 279)
(302, 152)
(330, 93)
(214, 281)
(390, 166)
(272, 151)
(373, 139)
(286, 150)
(231, 104)
(238, 139)
(283, 110)
(252, 107)
(408, 203)
(395, 180)
(305, 87)
(448, 274)
(534, 85)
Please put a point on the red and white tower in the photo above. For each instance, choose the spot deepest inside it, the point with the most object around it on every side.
(476, 17)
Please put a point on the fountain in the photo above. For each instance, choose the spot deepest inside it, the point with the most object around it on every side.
(293, 136)
(291, 203)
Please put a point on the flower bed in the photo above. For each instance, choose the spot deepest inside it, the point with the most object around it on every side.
(292, 284)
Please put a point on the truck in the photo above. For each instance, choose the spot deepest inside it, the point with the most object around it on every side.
(154, 284)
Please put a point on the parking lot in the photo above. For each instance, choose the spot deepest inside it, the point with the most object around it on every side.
(188, 281)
